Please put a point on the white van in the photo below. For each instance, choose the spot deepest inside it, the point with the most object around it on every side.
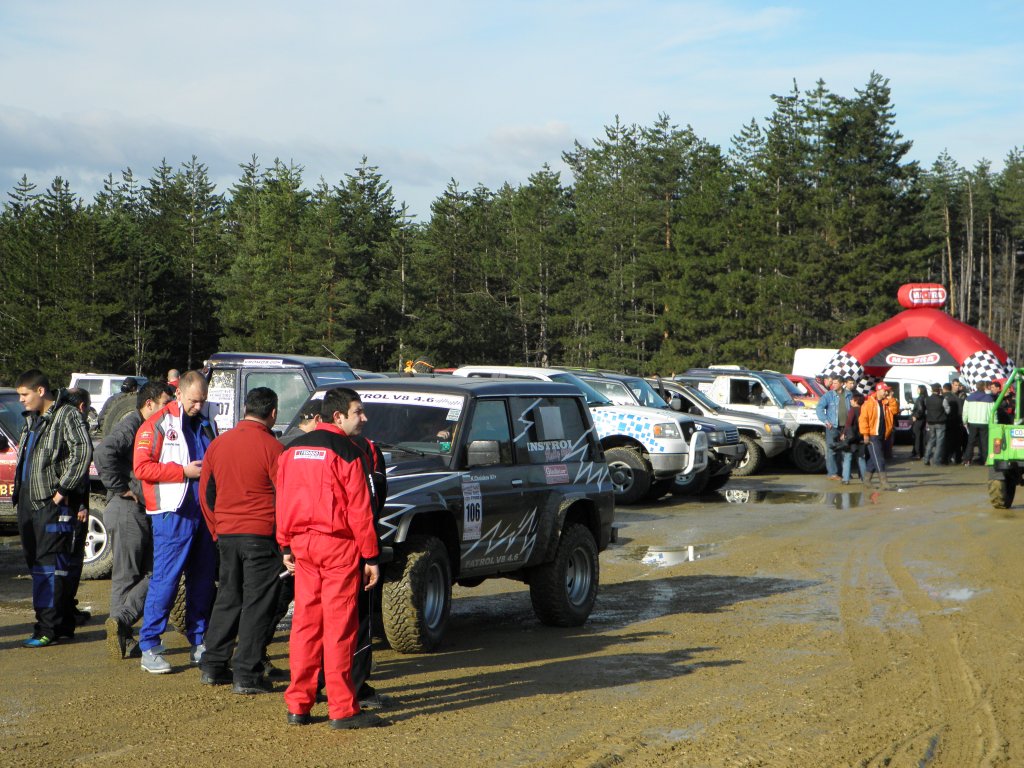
(101, 386)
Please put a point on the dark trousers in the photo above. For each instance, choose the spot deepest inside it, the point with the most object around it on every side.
(131, 539)
(875, 454)
(244, 608)
(977, 433)
(48, 540)
(956, 439)
(917, 430)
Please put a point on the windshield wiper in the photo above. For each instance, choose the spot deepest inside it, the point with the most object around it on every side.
(400, 447)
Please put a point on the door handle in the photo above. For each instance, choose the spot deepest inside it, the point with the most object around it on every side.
(517, 483)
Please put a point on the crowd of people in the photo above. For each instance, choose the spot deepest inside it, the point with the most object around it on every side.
(948, 424)
(248, 523)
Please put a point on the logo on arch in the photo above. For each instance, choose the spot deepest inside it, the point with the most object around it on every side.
(932, 358)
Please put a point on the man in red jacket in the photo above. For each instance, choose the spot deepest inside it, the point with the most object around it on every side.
(325, 525)
(236, 490)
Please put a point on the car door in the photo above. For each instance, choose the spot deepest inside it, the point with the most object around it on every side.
(493, 520)
(555, 442)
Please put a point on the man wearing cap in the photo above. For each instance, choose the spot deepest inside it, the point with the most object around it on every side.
(875, 426)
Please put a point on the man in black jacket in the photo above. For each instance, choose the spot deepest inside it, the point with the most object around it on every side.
(936, 412)
(129, 527)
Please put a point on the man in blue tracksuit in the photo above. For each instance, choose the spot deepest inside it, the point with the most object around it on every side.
(832, 409)
(168, 459)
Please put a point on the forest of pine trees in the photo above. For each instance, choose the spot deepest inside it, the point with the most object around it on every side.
(660, 252)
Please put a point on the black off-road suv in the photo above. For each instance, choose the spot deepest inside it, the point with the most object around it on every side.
(487, 478)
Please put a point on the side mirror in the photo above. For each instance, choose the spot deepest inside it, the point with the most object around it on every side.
(675, 403)
(481, 453)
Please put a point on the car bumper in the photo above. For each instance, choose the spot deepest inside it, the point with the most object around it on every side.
(773, 445)
(724, 458)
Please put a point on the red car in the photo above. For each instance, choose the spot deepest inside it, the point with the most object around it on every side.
(11, 423)
(809, 389)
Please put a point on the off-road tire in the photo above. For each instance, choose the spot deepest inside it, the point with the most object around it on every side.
(99, 552)
(117, 412)
(808, 452)
(751, 463)
(1001, 490)
(631, 477)
(563, 591)
(417, 595)
(176, 617)
(692, 484)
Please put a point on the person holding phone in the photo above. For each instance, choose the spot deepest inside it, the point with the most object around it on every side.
(168, 459)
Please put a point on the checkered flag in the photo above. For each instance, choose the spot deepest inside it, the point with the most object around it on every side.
(843, 364)
(982, 366)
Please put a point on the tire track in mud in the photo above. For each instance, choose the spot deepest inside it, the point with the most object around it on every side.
(969, 735)
(946, 716)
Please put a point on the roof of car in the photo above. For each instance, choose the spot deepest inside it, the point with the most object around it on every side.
(257, 359)
(459, 385)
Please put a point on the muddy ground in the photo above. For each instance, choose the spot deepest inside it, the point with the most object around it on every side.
(814, 628)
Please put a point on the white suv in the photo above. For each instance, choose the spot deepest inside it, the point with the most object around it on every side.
(645, 448)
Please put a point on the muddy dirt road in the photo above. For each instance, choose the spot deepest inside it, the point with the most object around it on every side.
(815, 628)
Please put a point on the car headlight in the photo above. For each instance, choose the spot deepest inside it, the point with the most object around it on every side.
(668, 430)
(718, 437)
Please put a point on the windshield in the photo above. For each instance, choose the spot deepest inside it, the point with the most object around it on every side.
(416, 422)
(695, 394)
(780, 390)
(645, 394)
(11, 415)
(326, 376)
(592, 396)
(615, 391)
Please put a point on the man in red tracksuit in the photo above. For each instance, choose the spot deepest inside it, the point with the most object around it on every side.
(325, 527)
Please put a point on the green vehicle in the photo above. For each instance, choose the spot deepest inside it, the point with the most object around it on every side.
(1006, 444)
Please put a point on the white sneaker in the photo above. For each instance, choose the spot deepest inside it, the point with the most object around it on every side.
(154, 662)
(196, 654)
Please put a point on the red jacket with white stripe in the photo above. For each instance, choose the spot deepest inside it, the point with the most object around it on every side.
(161, 455)
(322, 486)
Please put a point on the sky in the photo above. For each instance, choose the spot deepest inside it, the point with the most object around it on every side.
(479, 92)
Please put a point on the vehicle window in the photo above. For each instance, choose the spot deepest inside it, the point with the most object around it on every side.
(92, 386)
(706, 401)
(553, 430)
(645, 394)
(613, 390)
(592, 395)
(490, 422)
(11, 415)
(326, 376)
(779, 390)
(289, 385)
(417, 421)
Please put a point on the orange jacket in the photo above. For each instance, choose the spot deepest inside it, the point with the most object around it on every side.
(869, 418)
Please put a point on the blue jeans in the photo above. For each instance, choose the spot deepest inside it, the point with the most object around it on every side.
(862, 465)
(935, 447)
(831, 435)
(181, 544)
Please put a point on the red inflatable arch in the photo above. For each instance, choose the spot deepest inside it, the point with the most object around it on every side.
(922, 334)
